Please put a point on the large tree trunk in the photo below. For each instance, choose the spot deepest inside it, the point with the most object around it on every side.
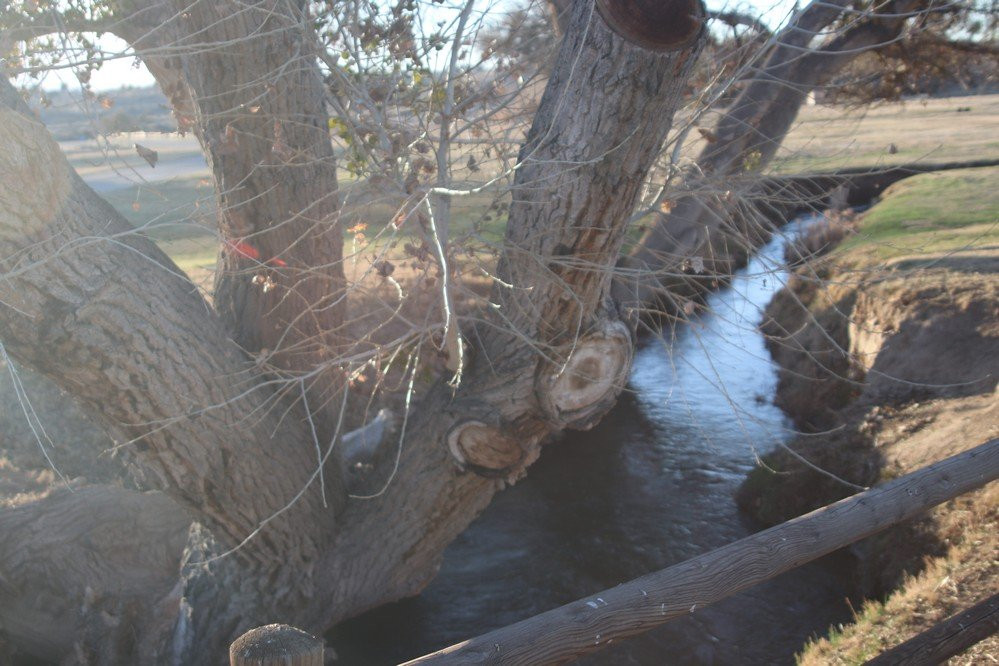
(279, 287)
(265, 131)
(714, 221)
(111, 320)
(552, 356)
(92, 572)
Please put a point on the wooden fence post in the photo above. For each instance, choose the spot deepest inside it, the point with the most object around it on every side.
(276, 645)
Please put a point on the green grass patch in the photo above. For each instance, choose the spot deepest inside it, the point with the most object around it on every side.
(932, 213)
(169, 209)
(192, 253)
(179, 214)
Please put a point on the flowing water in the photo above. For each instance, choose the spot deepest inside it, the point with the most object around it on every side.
(650, 486)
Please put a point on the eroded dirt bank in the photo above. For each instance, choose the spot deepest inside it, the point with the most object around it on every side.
(889, 359)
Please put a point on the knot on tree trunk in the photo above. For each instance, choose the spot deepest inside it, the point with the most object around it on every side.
(481, 442)
(658, 25)
(576, 393)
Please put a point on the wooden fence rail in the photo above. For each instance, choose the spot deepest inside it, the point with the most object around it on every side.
(634, 607)
(592, 623)
(947, 639)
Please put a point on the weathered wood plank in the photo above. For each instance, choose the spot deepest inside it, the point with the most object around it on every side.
(589, 624)
(947, 639)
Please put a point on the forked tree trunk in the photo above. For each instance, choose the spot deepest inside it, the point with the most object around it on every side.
(89, 306)
(552, 356)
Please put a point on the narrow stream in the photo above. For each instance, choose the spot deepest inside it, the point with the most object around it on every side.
(650, 486)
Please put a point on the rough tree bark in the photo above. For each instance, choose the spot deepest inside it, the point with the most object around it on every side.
(115, 323)
(74, 582)
(110, 319)
(264, 130)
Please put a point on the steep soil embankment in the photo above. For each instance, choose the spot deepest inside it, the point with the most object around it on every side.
(889, 358)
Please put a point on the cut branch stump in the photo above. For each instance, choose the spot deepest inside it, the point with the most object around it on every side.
(276, 645)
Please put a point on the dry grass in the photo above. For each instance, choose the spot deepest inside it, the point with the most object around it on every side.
(827, 138)
(947, 586)
(18, 486)
(823, 139)
(913, 294)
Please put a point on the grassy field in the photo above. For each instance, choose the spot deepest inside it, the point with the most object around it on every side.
(932, 130)
(178, 207)
(175, 205)
(929, 215)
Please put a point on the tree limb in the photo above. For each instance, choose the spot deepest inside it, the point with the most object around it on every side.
(738, 18)
(84, 564)
(714, 229)
(108, 317)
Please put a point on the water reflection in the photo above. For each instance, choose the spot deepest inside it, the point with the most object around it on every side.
(650, 486)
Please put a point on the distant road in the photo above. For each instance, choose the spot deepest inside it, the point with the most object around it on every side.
(118, 167)
(120, 176)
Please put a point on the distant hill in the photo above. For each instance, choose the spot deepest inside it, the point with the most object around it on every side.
(69, 115)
